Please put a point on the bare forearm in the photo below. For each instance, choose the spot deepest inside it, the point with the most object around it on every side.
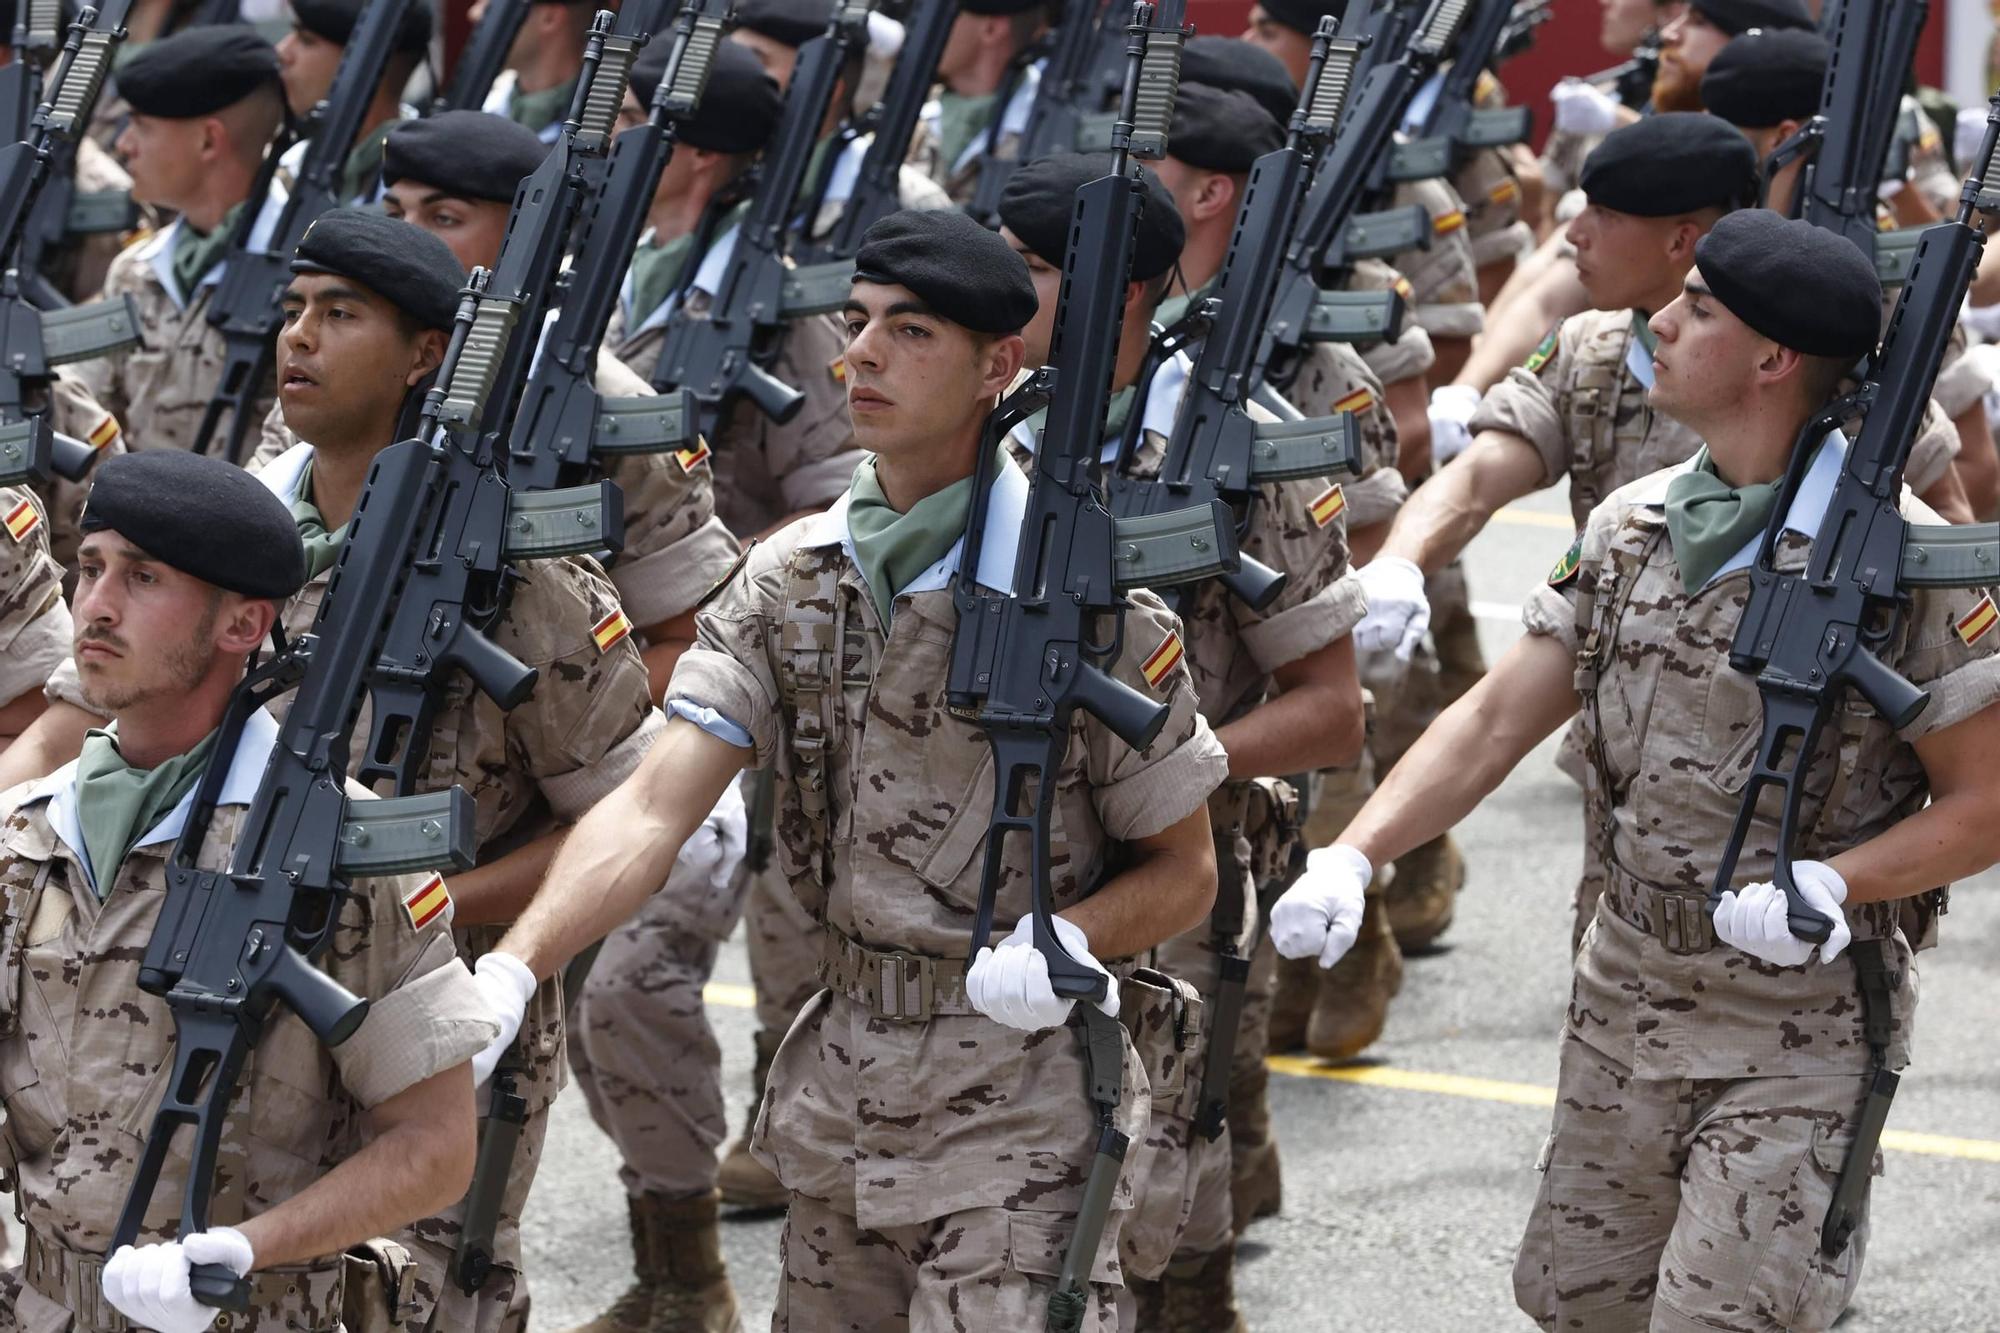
(1952, 838)
(1170, 889)
(499, 891)
(1441, 517)
(50, 741)
(1315, 726)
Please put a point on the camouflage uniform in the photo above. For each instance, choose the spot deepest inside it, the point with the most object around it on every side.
(85, 1054)
(78, 268)
(1706, 1098)
(1445, 278)
(934, 1162)
(34, 621)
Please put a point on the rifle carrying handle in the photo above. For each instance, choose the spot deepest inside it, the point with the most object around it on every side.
(218, 1287)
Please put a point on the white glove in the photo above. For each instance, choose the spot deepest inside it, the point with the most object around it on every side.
(1584, 108)
(885, 36)
(508, 985)
(1398, 611)
(1968, 134)
(1753, 918)
(1320, 915)
(1452, 406)
(149, 1285)
(717, 847)
(1010, 983)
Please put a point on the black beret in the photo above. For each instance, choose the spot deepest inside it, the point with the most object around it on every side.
(1000, 8)
(401, 263)
(1228, 62)
(1801, 286)
(470, 154)
(1671, 163)
(1041, 196)
(1734, 16)
(1216, 129)
(1303, 15)
(793, 22)
(957, 267)
(203, 517)
(198, 71)
(1764, 77)
(335, 20)
(739, 107)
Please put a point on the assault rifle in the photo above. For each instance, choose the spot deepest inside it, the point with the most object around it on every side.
(34, 342)
(483, 56)
(1451, 128)
(721, 353)
(244, 305)
(1056, 118)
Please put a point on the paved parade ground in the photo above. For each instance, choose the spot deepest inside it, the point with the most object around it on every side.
(1408, 1177)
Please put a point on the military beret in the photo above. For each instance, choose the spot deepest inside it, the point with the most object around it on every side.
(198, 71)
(1734, 16)
(793, 22)
(739, 107)
(1303, 15)
(1041, 196)
(1764, 77)
(964, 272)
(1216, 129)
(1801, 286)
(1671, 163)
(202, 516)
(1002, 8)
(469, 154)
(335, 20)
(1229, 62)
(403, 264)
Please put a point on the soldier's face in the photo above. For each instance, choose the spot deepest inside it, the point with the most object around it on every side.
(164, 157)
(914, 377)
(1287, 44)
(1048, 286)
(144, 631)
(306, 63)
(1686, 46)
(1622, 260)
(473, 228)
(1707, 358)
(345, 361)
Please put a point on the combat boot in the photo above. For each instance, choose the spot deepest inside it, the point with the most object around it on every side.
(1256, 1187)
(1424, 892)
(744, 1181)
(1353, 1001)
(683, 1285)
(1196, 1295)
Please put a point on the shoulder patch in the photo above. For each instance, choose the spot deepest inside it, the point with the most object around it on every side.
(838, 368)
(1566, 568)
(1358, 401)
(1163, 659)
(1544, 349)
(22, 519)
(690, 459)
(427, 902)
(104, 432)
(1444, 224)
(1977, 623)
(1328, 505)
(610, 631)
(735, 568)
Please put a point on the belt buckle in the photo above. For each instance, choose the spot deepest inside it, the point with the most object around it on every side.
(1682, 924)
(893, 972)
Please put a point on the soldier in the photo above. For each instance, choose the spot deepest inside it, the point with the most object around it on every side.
(309, 54)
(34, 621)
(1711, 1081)
(934, 1160)
(1278, 685)
(987, 79)
(205, 103)
(543, 65)
(766, 472)
(186, 562)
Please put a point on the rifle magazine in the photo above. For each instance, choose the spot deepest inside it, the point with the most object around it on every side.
(1420, 160)
(401, 834)
(1349, 317)
(1393, 231)
(81, 332)
(1951, 556)
(1303, 450)
(646, 423)
(815, 289)
(576, 520)
(1179, 546)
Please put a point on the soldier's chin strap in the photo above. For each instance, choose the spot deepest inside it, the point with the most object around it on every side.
(1878, 982)
(1104, 1074)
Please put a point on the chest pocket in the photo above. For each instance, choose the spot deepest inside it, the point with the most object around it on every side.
(1590, 418)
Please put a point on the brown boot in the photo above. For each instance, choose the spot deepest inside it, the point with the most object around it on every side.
(1292, 1005)
(1196, 1295)
(1353, 1001)
(1256, 1188)
(1424, 891)
(683, 1285)
(744, 1181)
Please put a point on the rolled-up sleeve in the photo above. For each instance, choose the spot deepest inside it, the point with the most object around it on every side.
(1138, 793)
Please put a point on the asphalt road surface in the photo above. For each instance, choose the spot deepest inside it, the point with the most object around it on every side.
(1409, 1175)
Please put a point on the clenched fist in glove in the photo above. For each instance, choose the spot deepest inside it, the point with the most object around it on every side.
(1010, 983)
(150, 1284)
(1452, 406)
(1398, 614)
(507, 985)
(1584, 108)
(1320, 915)
(1754, 918)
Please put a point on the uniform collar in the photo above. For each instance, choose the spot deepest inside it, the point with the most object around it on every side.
(707, 277)
(283, 474)
(1156, 414)
(159, 251)
(1013, 117)
(500, 99)
(1808, 506)
(1006, 511)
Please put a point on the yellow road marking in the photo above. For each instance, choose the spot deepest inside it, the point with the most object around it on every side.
(729, 996)
(1532, 518)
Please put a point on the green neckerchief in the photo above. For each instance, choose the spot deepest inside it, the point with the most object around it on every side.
(1174, 308)
(961, 118)
(195, 254)
(1115, 416)
(1709, 520)
(1642, 329)
(540, 110)
(364, 162)
(117, 804)
(894, 548)
(656, 272)
(322, 547)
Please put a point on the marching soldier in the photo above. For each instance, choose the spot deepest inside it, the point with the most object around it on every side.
(186, 562)
(1711, 1077)
(309, 55)
(543, 65)
(987, 79)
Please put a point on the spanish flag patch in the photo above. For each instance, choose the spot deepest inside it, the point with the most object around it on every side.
(608, 631)
(1977, 623)
(427, 902)
(838, 368)
(1401, 286)
(104, 432)
(23, 519)
(1164, 659)
(1506, 192)
(1358, 401)
(690, 459)
(1328, 504)
(1447, 223)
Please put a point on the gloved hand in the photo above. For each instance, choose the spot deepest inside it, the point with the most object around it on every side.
(1452, 406)
(149, 1284)
(1320, 915)
(1398, 614)
(1584, 108)
(1753, 918)
(714, 850)
(508, 985)
(1968, 133)
(1010, 983)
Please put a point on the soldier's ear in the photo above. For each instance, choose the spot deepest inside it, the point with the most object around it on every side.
(1001, 361)
(430, 349)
